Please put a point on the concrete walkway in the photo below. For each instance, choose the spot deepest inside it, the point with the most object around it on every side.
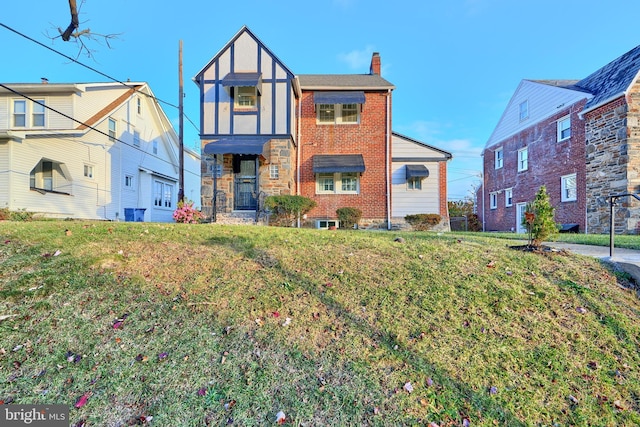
(627, 260)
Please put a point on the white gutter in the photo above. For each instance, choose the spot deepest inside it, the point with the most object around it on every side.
(388, 154)
(299, 144)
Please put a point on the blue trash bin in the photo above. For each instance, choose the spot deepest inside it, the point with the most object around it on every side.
(138, 214)
(128, 214)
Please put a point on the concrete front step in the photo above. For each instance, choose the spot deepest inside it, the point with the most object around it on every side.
(236, 218)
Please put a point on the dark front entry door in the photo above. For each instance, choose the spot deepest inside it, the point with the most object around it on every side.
(245, 184)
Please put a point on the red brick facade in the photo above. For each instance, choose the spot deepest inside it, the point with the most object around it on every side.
(369, 137)
(548, 161)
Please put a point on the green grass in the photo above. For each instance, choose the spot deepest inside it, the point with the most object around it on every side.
(620, 241)
(230, 325)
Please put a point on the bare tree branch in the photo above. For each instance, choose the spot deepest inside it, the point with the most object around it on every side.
(75, 23)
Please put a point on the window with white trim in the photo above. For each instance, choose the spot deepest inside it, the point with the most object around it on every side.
(37, 114)
(274, 172)
(414, 183)
(569, 188)
(523, 159)
(499, 159)
(88, 171)
(338, 113)
(112, 130)
(139, 105)
(493, 200)
(245, 97)
(162, 194)
(19, 113)
(128, 181)
(564, 128)
(136, 138)
(508, 197)
(155, 147)
(524, 110)
(338, 183)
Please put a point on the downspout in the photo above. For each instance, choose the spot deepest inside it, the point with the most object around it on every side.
(388, 153)
(298, 148)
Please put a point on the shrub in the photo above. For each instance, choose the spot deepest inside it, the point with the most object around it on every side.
(19, 215)
(538, 218)
(349, 216)
(286, 208)
(5, 214)
(186, 213)
(423, 222)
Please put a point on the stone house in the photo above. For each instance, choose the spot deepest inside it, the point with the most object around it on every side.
(267, 131)
(579, 138)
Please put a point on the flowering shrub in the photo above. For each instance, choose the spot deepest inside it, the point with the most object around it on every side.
(186, 213)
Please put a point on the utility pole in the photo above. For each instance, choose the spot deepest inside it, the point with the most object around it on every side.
(181, 125)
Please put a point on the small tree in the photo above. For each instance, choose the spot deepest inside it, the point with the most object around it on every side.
(349, 216)
(538, 218)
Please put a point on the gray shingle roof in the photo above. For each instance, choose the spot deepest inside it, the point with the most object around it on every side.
(612, 79)
(343, 81)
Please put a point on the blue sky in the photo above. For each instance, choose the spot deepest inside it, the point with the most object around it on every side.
(455, 63)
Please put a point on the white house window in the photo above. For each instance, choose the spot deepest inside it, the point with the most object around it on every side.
(348, 182)
(524, 110)
(112, 130)
(245, 97)
(139, 105)
(325, 183)
(564, 128)
(499, 160)
(274, 172)
(338, 183)
(128, 181)
(155, 147)
(493, 200)
(338, 113)
(136, 138)
(38, 113)
(88, 171)
(508, 197)
(19, 113)
(414, 183)
(569, 188)
(523, 159)
(162, 194)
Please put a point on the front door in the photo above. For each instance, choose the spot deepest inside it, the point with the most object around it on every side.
(520, 209)
(245, 184)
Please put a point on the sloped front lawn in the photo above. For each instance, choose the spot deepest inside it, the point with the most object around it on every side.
(178, 325)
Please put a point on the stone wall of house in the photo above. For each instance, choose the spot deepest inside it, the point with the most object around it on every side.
(612, 141)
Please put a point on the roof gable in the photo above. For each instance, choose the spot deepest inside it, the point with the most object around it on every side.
(419, 148)
(543, 98)
(243, 31)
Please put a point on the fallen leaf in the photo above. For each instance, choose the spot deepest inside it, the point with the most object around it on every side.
(573, 399)
(229, 405)
(18, 347)
(81, 423)
(287, 321)
(82, 401)
(493, 390)
(16, 364)
(118, 340)
(275, 314)
(328, 284)
(408, 387)
(432, 424)
(7, 316)
(376, 410)
(618, 404)
(68, 232)
(429, 382)
(56, 253)
(281, 417)
(117, 324)
(259, 322)
(491, 264)
(593, 365)
(202, 391)
(581, 310)
(163, 356)
(466, 422)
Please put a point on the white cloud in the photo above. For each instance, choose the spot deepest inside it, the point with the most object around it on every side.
(358, 59)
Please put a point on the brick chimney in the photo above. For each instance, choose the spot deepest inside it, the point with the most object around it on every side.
(375, 64)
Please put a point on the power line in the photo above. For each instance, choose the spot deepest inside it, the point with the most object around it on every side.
(94, 70)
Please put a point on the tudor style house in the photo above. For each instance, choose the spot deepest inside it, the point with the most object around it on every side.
(579, 138)
(266, 131)
(90, 151)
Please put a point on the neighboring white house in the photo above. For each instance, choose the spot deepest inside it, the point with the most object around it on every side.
(419, 179)
(90, 151)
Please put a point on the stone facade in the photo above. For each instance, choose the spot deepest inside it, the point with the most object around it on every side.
(613, 164)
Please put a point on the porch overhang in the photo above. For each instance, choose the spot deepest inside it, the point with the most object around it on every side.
(254, 145)
(331, 163)
(417, 171)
